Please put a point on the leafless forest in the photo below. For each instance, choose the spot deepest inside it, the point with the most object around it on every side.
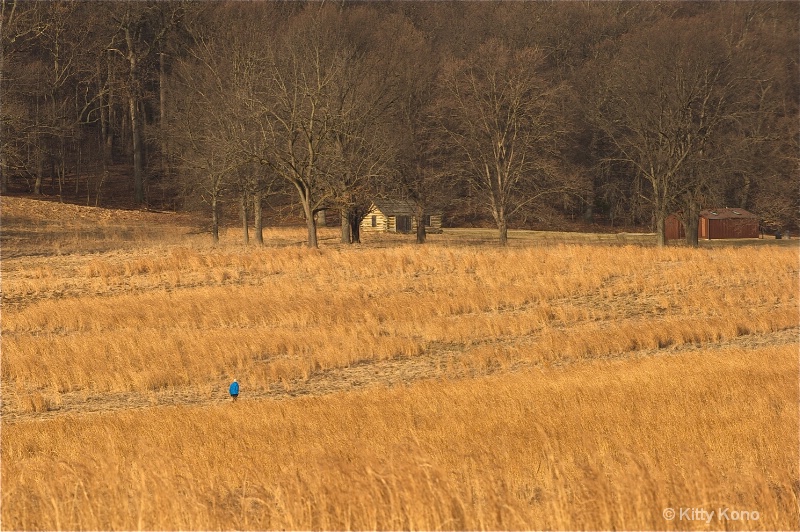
(508, 114)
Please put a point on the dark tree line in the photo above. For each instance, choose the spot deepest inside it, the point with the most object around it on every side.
(511, 112)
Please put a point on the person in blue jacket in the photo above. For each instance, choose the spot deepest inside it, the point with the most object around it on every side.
(234, 389)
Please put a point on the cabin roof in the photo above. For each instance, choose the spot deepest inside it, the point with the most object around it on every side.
(394, 207)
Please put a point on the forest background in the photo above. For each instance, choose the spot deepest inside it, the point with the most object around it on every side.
(508, 114)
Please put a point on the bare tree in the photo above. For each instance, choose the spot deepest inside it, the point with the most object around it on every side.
(291, 107)
(208, 136)
(761, 149)
(365, 107)
(499, 114)
(49, 54)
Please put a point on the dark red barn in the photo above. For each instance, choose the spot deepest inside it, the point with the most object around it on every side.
(727, 223)
(717, 223)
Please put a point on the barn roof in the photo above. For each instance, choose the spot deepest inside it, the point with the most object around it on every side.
(720, 214)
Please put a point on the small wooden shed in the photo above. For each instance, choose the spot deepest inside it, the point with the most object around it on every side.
(397, 217)
(673, 228)
(727, 223)
(716, 224)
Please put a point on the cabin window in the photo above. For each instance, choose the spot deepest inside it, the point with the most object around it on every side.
(374, 221)
(426, 219)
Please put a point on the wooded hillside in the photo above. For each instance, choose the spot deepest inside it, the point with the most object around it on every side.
(507, 113)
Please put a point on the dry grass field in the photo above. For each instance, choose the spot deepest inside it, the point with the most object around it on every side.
(560, 383)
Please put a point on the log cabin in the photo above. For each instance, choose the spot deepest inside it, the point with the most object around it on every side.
(398, 216)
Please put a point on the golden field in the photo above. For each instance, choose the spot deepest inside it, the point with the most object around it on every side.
(588, 384)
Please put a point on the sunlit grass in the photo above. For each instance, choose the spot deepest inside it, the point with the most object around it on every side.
(595, 446)
(182, 316)
(610, 381)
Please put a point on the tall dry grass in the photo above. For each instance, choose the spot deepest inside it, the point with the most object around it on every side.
(601, 445)
(611, 420)
(180, 316)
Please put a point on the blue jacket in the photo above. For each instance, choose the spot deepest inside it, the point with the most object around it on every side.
(234, 389)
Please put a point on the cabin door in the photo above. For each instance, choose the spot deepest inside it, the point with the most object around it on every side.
(404, 224)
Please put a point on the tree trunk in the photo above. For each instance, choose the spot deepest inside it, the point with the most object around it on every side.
(99, 188)
(61, 171)
(108, 135)
(503, 232)
(257, 218)
(53, 175)
(78, 164)
(311, 221)
(162, 110)
(104, 146)
(138, 159)
(37, 184)
(77, 144)
(588, 213)
(125, 133)
(308, 212)
(3, 174)
(311, 225)
(136, 121)
(355, 229)
(61, 174)
(691, 222)
(243, 209)
(215, 219)
(502, 225)
(101, 103)
(422, 235)
(345, 219)
(744, 193)
(661, 229)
